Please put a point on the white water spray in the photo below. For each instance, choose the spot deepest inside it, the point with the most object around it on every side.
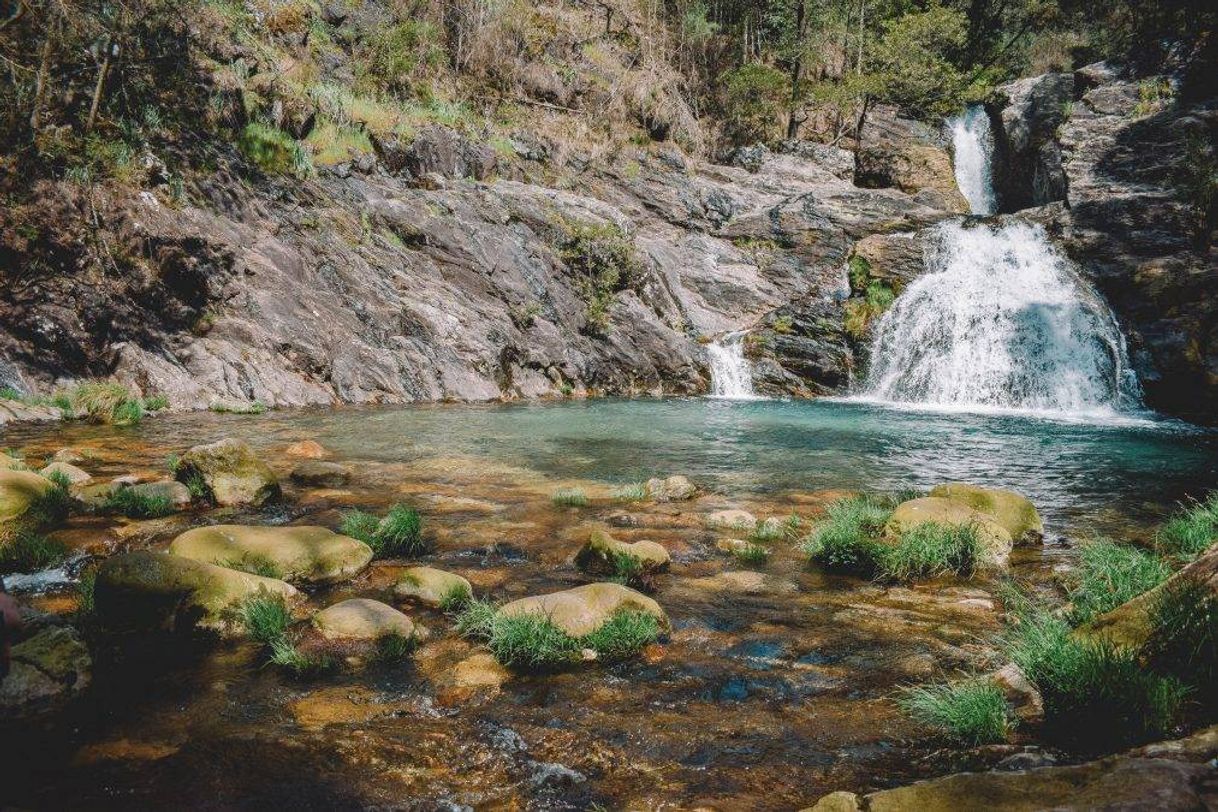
(972, 146)
(731, 373)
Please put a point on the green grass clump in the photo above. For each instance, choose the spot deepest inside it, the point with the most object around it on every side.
(532, 643)
(394, 648)
(636, 492)
(156, 403)
(86, 589)
(399, 534)
(1184, 640)
(455, 598)
(1095, 694)
(971, 712)
(254, 565)
(1190, 531)
(1109, 575)
(285, 654)
(773, 531)
(273, 150)
(631, 570)
(102, 402)
(569, 497)
(55, 503)
(847, 539)
(266, 618)
(136, 505)
(751, 555)
(26, 551)
(928, 550)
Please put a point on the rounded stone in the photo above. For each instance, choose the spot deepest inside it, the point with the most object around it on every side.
(299, 554)
(733, 519)
(1017, 515)
(18, 490)
(320, 474)
(231, 472)
(584, 609)
(598, 555)
(362, 619)
(430, 586)
(994, 538)
(672, 489)
(74, 475)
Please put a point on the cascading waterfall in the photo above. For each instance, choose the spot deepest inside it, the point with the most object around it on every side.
(731, 373)
(1002, 319)
(972, 146)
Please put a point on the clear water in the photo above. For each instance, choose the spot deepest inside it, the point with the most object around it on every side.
(972, 147)
(1001, 319)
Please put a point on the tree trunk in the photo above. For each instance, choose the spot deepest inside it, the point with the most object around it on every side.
(99, 87)
(797, 66)
(44, 69)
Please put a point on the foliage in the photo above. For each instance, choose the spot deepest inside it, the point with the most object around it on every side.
(1184, 640)
(26, 551)
(102, 402)
(602, 258)
(1196, 182)
(1109, 575)
(135, 505)
(569, 497)
(455, 598)
(86, 590)
(287, 655)
(54, 504)
(156, 403)
(754, 96)
(635, 492)
(917, 61)
(394, 648)
(360, 524)
(272, 150)
(751, 555)
(971, 712)
(1190, 531)
(930, 549)
(266, 618)
(860, 312)
(623, 635)
(399, 533)
(847, 539)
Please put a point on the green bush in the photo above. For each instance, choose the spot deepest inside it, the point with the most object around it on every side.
(569, 497)
(26, 551)
(928, 550)
(1190, 531)
(455, 598)
(622, 636)
(1110, 574)
(266, 618)
(754, 98)
(751, 555)
(136, 505)
(847, 539)
(603, 259)
(972, 712)
(102, 402)
(272, 150)
(399, 534)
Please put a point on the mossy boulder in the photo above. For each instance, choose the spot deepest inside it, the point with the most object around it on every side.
(430, 586)
(74, 475)
(363, 619)
(231, 472)
(171, 490)
(672, 489)
(47, 669)
(19, 490)
(584, 609)
(147, 591)
(602, 553)
(310, 555)
(1017, 515)
(995, 540)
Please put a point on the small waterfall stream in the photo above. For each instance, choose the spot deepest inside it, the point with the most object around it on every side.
(731, 373)
(1001, 319)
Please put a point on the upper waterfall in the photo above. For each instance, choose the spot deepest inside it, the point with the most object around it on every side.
(972, 147)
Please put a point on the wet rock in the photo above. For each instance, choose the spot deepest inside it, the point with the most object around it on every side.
(149, 591)
(1017, 515)
(672, 489)
(18, 490)
(732, 546)
(319, 474)
(994, 538)
(1020, 693)
(551, 774)
(231, 471)
(71, 456)
(479, 673)
(175, 492)
(300, 554)
(731, 520)
(584, 609)
(308, 449)
(437, 151)
(74, 476)
(47, 670)
(431, 587)
(838, 161)
(363, 619)
(599, 555)
(840, 801)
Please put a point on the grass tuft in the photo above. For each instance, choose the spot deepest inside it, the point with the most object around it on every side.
(751, 555)
(847, 539)
(399, 534)
(635, 492)
(972, 712)
(1185, 637)
(286, 655)
(26, 551)
(266, 618)
(394, 648)
(1110, 574)
(455, 598)
(569, 497)
(254, 565)
(102, 402)
(54, 504)
(623, 635)
(1190, 531)
(136, 505)
(928, 550)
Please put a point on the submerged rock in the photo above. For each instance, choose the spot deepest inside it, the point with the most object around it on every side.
(74, 475)
(231, 472)
(307, 449)
(18, 490)
(316, 473)
(584, 609)
(994, 538)
(363, 619)
(304, 554)
(1017, 515)
(600, 554)
(732, 519)
(47, 670)
(158, 591)
(672, 489)
(430, 586)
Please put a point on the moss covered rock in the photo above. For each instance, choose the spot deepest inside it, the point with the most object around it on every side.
(1017, 515)
(995, 540)
(672, 489)
(312, 555)
(19, 490)
(602, 553)
(74, 475)
(231, 472)
(733, 519)
(158, 591)
(584, 609)
(430, 586)
(47, 669)
(363, 619)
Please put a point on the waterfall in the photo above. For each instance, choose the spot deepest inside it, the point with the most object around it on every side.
(1001, 319)
(972, 146)
(731, 373)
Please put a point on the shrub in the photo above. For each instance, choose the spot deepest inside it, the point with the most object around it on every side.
(754, 99)
(569, 497)
(1109, 575)
(136, 505)
(1190, 530)
(1184, 636)
(400, 533)
(266, 618)
(54, 504)
(972, 712)
(846, 539)
(603, 259)
(26, 551)
(751, 555)
(272, 150)
(102, 402)
(930, 549)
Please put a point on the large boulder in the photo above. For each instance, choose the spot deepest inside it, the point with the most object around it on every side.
(19, 490)
(74, 475)
(431, 587)
(1014, 512)
(901, 153)
(600, 554)
(363, 619)
(231, 471)
(672, 489)
(305, 554)
(1027, 160)
(145, 591)
(47, 669)
(584, 609)
(995, 540)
